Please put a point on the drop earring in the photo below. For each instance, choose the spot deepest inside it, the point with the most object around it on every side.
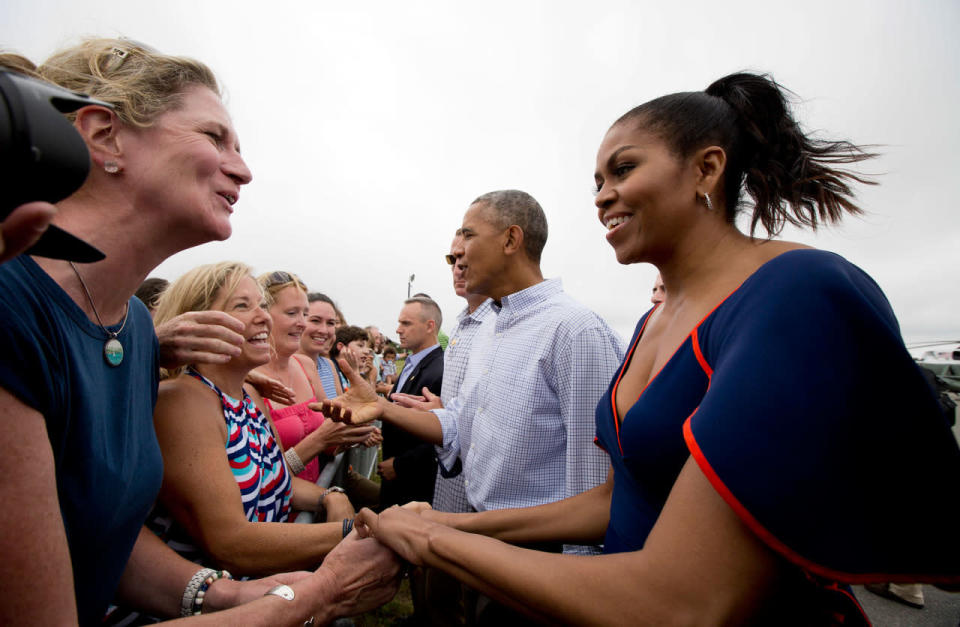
(707, 201)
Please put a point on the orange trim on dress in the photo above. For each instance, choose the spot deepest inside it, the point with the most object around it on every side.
(777, 545)
(629, 357)
(695, 340)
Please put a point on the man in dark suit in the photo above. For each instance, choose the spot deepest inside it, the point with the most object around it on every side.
(409, 465)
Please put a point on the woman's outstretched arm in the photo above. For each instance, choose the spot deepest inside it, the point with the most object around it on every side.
(700, 565)
(580, 519)
(200, 490)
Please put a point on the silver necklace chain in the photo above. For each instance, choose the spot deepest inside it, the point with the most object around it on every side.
(94, 307)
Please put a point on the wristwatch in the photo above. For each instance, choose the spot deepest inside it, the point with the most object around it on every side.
(321, 508)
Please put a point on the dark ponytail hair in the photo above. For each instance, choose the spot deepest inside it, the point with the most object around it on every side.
(790, 177)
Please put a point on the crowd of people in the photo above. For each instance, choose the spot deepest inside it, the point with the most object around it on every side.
(731, 464)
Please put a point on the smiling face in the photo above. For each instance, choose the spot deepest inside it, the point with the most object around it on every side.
(289, 312)
(321, 329)
(646, 195)
(187, 168)
(246, 305)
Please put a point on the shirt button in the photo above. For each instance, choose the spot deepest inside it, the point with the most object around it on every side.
(466, 482)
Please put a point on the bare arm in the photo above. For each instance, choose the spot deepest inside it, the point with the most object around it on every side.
(40, 591)
(271, 388)
(332, 434)
(32, 537)
(313, 377)
(155, 577)
(307, 495)
(202, 494)
(423, 424)
(700, 565)
(580, 519)
(358, 576)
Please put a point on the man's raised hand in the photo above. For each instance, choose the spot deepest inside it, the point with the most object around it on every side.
(358, 405)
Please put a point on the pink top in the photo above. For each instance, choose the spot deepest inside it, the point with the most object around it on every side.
(294, 423)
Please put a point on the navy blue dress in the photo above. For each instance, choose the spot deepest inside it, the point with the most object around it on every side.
(799, 402)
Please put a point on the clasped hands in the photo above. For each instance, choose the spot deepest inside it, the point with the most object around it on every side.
(406, 529)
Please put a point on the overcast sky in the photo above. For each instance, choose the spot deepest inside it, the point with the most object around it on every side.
(369, 127)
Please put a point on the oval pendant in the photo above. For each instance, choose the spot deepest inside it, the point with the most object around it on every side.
(113, 351)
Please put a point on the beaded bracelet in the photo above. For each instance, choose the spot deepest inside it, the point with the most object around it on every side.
(190, 592)
(294, 463)
(202, 592)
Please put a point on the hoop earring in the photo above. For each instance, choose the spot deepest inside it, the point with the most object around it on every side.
(706, 199)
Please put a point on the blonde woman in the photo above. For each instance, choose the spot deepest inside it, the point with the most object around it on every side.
(165, 175)
(224, 469)
(304, 432)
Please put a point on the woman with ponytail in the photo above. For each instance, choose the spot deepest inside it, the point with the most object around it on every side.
(755, 463)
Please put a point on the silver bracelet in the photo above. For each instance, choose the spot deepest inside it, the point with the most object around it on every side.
(286, 593)
(190, 592)
(294, 462)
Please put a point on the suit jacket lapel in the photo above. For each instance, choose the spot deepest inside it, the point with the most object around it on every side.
(416, 372)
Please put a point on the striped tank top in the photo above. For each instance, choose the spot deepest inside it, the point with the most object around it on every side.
(325, 371)
(258, 467)
(255, 459)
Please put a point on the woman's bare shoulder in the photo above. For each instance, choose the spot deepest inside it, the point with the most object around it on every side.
(305, 361)
(765, 250)
(185, 390)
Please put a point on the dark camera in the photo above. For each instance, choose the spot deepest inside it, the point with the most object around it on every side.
(42, 157)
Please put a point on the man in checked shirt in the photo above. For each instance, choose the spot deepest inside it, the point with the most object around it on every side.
(447, 601)
(522, 425)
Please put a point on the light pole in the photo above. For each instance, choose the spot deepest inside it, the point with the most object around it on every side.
(410, 283)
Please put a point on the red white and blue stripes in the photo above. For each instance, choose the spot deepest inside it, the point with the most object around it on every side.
(255, 458)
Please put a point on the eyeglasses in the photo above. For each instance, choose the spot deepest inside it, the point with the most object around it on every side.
(450, 259)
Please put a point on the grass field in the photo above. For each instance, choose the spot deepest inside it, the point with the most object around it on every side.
(399, 608)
